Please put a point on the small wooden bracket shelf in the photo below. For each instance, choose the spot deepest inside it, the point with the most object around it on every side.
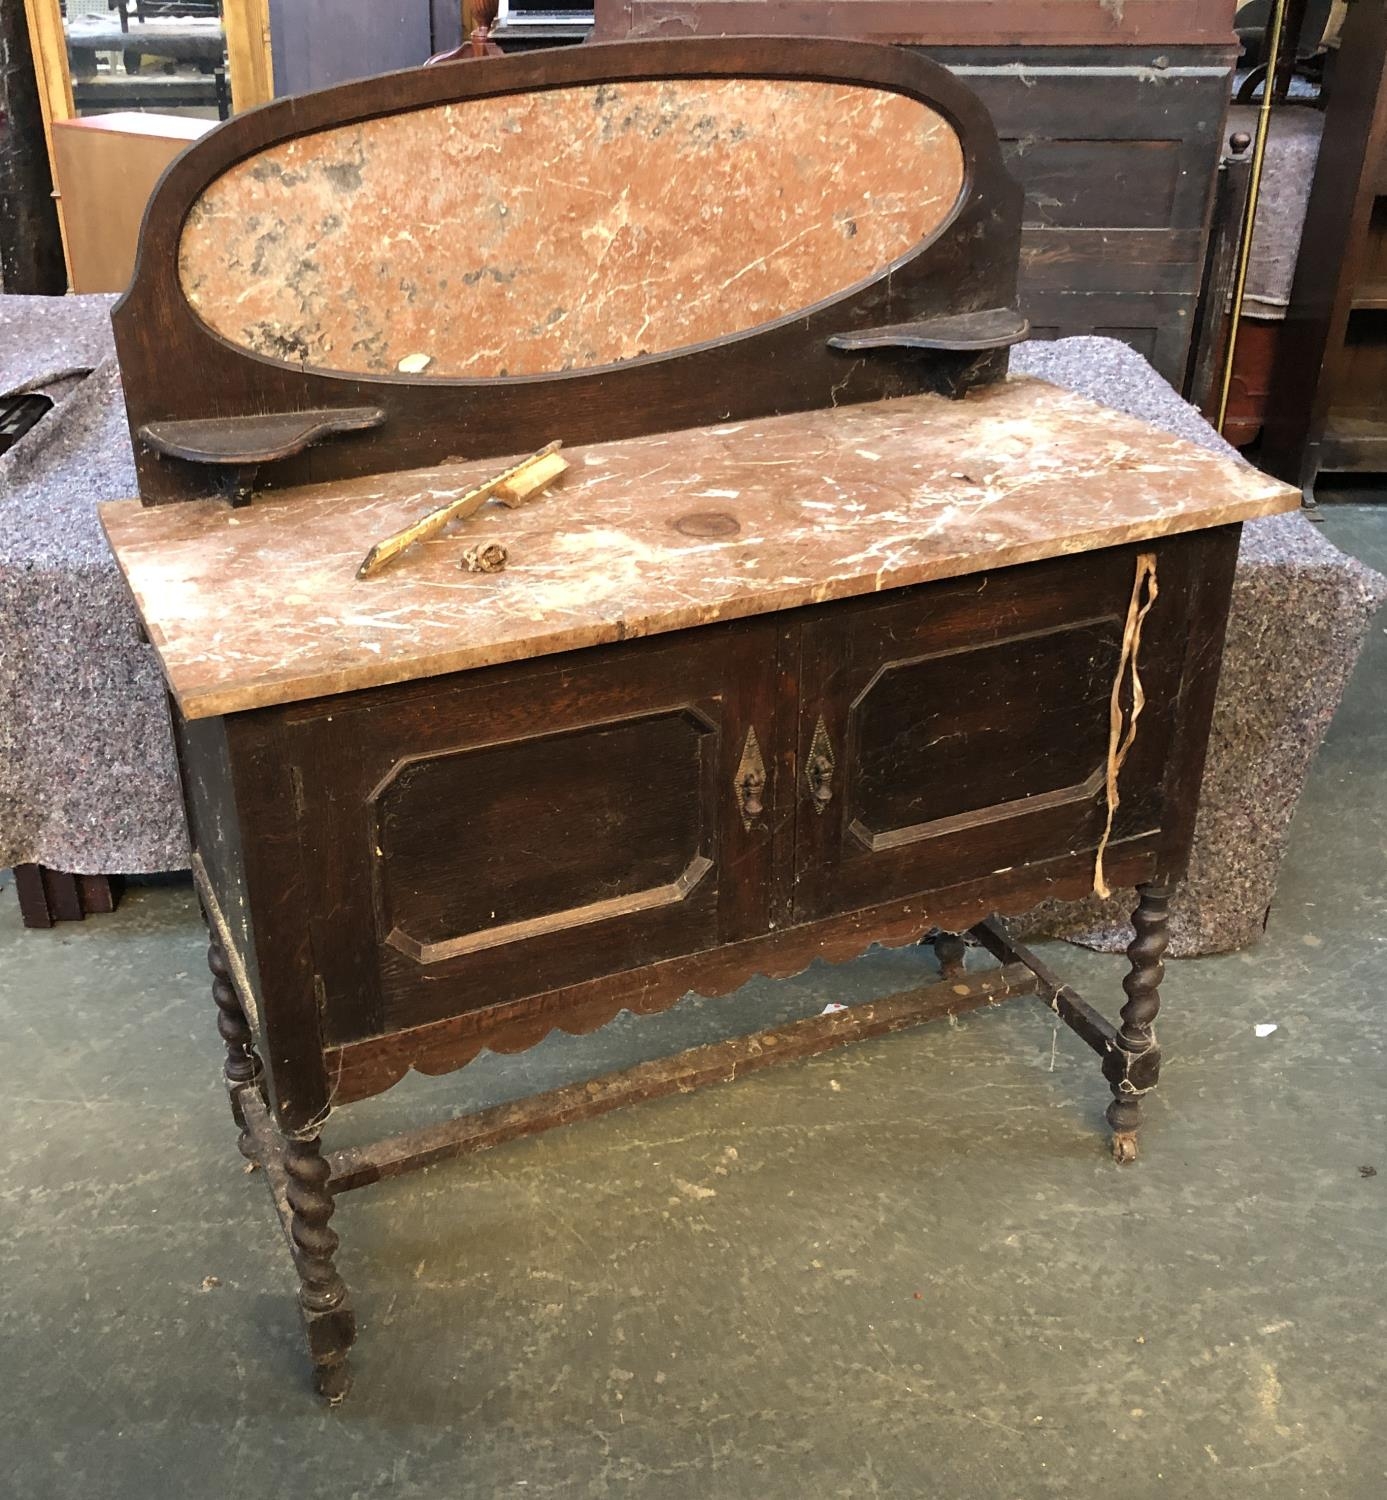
(237, 446)
(962, 333)
(240, 442)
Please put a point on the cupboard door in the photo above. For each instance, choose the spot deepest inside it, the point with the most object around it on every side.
(520, 829)
(961, 729)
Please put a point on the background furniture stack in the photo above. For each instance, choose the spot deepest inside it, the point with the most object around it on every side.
(1328, 405)
(1288, 169)
(184, 40)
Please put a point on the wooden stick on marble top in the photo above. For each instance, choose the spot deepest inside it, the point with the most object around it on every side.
(260, 606)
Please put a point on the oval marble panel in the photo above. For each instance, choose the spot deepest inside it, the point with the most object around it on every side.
(559, 230)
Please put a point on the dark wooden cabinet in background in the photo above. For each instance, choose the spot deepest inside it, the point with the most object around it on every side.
(1118, 151)
(1002, 23)
(315, 43)
(1327, 409)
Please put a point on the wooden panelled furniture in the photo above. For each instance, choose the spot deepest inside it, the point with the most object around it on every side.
(1328, 404)
(321, 42)
(833, 635)
(1111, 115)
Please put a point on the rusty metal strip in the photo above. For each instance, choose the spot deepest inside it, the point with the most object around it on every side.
(1120, 739)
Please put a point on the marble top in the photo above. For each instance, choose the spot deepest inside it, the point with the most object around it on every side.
(261, 605)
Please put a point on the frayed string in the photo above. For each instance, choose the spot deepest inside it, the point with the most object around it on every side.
(1122, 730)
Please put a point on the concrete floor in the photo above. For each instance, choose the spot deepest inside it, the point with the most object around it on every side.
(909, 1269)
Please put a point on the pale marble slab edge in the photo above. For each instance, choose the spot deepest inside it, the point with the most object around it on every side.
(208, 679)
(288, 687)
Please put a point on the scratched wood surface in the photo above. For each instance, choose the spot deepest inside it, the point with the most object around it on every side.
(261, 605)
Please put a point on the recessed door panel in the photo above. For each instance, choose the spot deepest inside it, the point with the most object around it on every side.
(960, 729)
(937, 744)
(527, 828)
(502, 842)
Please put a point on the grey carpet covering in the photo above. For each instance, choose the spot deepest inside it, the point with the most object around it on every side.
(1300, 614)
(87, 778)
(1293, 149)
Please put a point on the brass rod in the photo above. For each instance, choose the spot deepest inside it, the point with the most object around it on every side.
(455, 510)
(1254, 190)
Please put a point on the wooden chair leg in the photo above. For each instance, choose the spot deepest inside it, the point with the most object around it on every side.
(1133, 1066)
(328, 1319)
(243, 1069)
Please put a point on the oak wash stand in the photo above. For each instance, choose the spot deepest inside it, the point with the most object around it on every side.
(832, 636)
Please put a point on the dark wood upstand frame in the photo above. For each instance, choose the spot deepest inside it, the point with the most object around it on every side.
(834, 635)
